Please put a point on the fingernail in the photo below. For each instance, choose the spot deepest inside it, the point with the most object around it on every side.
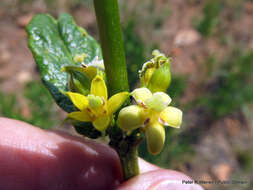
(173, 184)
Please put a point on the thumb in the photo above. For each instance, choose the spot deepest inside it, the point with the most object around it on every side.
(31, 158)
(154, 178)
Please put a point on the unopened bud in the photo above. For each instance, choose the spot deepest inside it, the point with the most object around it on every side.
(155, 74)
(76, 86)
(130, 118)
(79, 81)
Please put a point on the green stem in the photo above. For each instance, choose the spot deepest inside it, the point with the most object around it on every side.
(129, 162)
(111, 38)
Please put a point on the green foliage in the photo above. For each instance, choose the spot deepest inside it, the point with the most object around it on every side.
(54, 45)
(135, 49)
(177, 87)
(77, 40)
(8, 106)
(245, 159)
(232, 87)
(43, 113)
(210, 20)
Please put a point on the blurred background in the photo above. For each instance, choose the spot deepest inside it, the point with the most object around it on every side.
(211, 45)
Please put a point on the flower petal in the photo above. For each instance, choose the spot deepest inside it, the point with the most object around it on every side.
(79, 100)
(171, 116)
(79, 116)
(130, 118)
(155, 103)
(155, 135)
(165, 97)
(116, 101)
(98, 87)
(141, 94)
(101, 123)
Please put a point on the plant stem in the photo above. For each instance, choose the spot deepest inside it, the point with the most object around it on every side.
(111, 38)
(129, 162)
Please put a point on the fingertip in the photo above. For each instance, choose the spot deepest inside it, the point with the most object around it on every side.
(146, 166)
(158, 180)
(32, 158)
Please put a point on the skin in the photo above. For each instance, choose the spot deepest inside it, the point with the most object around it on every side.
(31, 158)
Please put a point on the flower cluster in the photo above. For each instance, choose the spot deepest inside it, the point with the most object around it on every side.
(150, 114)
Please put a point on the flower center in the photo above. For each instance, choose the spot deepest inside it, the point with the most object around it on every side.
(95, 101)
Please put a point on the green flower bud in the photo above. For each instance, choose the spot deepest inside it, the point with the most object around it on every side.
(79, 81)
(155, 136)
(160, 79)
(130, 118)
(76, 86)
(155, 74)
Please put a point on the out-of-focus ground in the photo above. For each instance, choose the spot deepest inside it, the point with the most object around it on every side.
(211, 46)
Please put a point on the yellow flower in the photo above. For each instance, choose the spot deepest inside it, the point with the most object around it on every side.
(96, 107)
(151, 114)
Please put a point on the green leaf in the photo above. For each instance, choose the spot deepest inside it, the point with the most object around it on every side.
(52, 46)
(77, 39)
(86, 129)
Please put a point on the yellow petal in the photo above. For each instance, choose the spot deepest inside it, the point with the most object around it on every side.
(98, 87)
(79, 116)
(141, 94)
(164, 97)
(116, 101)
(130, 118)
(79, 100)
(155, 135)
(171, 116)
(155, 103)
(101, 123)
